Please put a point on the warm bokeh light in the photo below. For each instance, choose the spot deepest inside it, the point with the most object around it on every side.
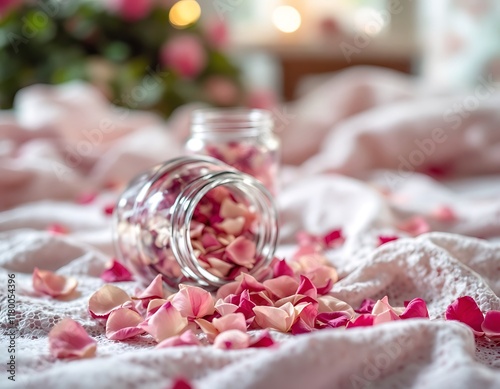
(286, 18)
(184, 12)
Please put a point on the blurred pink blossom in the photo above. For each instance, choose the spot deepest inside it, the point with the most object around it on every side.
(185, 55)
(7, 5)
(221, 90)
(216, 33)
(130, 10)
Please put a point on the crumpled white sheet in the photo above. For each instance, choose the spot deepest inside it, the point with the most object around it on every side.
(363, 138)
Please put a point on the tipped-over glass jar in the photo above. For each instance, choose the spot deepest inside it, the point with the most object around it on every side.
(242, 138)
(195, 220)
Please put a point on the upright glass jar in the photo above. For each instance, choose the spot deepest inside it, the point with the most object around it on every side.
(195, 220)
(242, 138)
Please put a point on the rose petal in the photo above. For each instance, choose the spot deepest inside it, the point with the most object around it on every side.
(333, 238)
(106, 299)
(122, 324)
(242, 252)
(383, 239)
(208, 329)
(416, 308)
(233, 321)
(364, 320)
(281, 268)
(366, 306)
(193, 302)
(331, 304)
(415, 226)
(181, 383)
(280, 319)
(465, 310)
(187, 338)
(444, 214)
(154, 290)
(333, 319)
(153, 306)
(232, 226)
(68, 339)
(281, 287)
(230, 209)
(491, 325)
(164, 323)
(232, 340)
(383, 312)
(263, 339)
(307, 288)
(116, 273)
(53, 284)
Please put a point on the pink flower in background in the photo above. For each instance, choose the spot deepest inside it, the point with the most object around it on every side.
(221, 90)
(185, 55)
(130, 10)
(216, 33)
(8, 5)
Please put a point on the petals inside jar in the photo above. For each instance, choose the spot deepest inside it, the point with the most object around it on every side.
(223, 234)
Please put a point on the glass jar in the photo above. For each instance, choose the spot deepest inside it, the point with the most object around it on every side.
(242, 138)
(195, 220)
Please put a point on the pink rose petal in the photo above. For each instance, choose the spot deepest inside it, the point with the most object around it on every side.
(281, 287)
(416, 308)
(415, 226)
(242, 252)
(232, 321)
(154, 290)
(164, 323)
(187, 338)
(57, 229)
(232, 340)
(122, 324)
(232, 226)
(383, 312)
(491, 325)
(280, 319)
(281, 268)
(333, 319)
(264, 339)
(444, 214)
(364, 320)
(153, 306)
(331, 304)
(307, 288)
(334, 238)
(52, 284)
(181, 383)
(383, 239)
(116, 273)
(366, 306)
(193, 302)
(465, 310)
(109, 209)
(68, 339)
(106, 299)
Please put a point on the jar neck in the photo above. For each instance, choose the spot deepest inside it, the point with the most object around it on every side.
(230, 123)
(183, 210)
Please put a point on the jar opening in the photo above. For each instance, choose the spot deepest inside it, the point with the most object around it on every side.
(230, 121)
(243, 239)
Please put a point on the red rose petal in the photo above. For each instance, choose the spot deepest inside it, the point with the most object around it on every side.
(465, 310)
(116, 273)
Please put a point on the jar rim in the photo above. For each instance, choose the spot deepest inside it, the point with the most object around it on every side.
(230, 121)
